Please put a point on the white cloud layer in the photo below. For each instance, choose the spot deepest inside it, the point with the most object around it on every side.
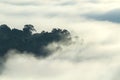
(95, 58)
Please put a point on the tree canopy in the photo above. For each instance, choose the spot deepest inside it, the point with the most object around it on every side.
(24, 40)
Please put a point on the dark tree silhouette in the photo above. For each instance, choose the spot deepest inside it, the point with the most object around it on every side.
(24, 40)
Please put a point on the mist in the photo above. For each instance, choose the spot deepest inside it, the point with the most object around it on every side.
(92, 54)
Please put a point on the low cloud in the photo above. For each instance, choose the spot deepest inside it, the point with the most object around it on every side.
(94, 54)
(76, 61)
(111, 16)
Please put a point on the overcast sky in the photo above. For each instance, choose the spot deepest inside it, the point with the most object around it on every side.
(55, 12)
(94, 56)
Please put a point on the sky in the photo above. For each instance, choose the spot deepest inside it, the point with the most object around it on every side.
(95, 53)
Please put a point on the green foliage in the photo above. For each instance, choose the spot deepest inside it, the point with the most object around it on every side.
(24, 40)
